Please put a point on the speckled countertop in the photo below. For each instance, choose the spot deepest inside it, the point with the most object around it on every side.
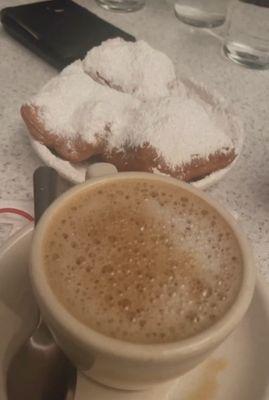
(245, 190)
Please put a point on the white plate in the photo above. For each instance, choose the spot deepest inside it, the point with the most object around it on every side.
(75, 173)
(238, 370)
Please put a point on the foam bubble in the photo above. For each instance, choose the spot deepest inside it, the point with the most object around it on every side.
(142, 262)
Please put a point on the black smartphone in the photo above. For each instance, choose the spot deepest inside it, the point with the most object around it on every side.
(60, 31)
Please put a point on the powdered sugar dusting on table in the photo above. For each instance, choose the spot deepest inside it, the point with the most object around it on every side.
(178, 126)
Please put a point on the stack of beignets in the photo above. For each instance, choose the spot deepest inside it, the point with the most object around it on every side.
(124, 104)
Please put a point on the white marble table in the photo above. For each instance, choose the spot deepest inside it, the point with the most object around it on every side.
(244, 191)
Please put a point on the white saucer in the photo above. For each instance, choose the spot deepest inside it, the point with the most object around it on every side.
(75, 173)
(238, 370)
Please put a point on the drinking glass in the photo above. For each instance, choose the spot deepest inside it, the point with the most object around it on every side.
(247, 37)
(201, 13)
(121, 5)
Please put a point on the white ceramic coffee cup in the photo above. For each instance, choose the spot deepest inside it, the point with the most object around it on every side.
(122, 364)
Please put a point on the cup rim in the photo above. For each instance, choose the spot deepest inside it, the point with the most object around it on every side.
(155, 352)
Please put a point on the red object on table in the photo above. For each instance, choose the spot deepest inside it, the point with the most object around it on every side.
(21, 213)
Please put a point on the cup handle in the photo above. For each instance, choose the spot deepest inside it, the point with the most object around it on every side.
(100, 169)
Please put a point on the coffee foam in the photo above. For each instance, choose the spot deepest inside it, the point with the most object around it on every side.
(142, 262)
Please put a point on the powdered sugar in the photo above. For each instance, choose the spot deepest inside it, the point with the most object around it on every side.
(179, 127)
(72, 104)
(134, 68)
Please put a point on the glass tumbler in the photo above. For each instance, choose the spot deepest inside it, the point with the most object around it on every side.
(201, 13)
(121, 5)
(247, 37)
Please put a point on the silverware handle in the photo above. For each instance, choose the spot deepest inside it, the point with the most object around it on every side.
(45, 189)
